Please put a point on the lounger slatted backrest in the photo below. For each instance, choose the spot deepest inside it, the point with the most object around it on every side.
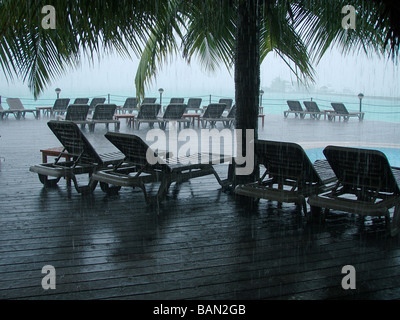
(232, 112)
(294, 105)
(362, 168)
(130, 103)
(95, 102)
(74, 141)
(104, 112)
(286, 161)
(194, 102)
(15, 104)
(135, 150)
(311, 106)
(228, 102)
(149, 100)
(175, 111)
(149, 111)
(339, 108)
(177, 100)
(60, 105)
(214, 110)
(81, 101)
(77, 112)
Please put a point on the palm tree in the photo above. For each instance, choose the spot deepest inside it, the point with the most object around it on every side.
(242, 33)
(237, 33)
(84, 30)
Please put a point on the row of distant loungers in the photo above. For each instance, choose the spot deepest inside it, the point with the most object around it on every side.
(354, 180)
(311, 108)
(149, 112)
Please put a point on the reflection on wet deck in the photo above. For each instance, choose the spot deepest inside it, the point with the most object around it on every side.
(202, 244)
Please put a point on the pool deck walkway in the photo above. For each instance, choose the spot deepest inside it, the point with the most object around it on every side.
(200, 244)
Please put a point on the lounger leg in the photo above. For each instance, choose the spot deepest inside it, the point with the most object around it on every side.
(303, 205)
(85, 189)
(163, 189)
(48, 182)
(109, 189)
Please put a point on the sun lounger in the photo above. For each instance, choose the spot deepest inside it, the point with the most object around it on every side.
(164, 171)
(212, 114)
(148, 113)
(290, 176)
(77, 113)
(194, 104)
(295, 107)
(60, 106)
(81, 101)
(174, 113)
(313, 109)
(341, 111)
(367, 185)
(229, 120)
(149, 100)
(103, 113)
(95, 102)
(16, 107)
(177, 100)
(228, 103)
(130, 105)
(85, 160)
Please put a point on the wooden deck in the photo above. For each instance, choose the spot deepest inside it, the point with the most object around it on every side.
(201, 244)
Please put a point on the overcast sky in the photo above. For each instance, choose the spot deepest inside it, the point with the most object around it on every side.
(372, 76)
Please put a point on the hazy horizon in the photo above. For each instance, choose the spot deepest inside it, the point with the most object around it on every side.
(349, 74)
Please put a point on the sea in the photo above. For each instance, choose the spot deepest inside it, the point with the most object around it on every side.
(386, 109)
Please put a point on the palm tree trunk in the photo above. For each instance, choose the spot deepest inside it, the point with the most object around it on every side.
(247, 75)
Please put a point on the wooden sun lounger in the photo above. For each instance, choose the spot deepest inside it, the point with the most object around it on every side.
(366, 185)
(340, 111)
(81, 101)
(60, 106)
(296, 109)
(228, 103)
(85, 159)
(177, 100)
(17, 109)
(212, 114)
(313, 109)
(103, 113)
(165, 171)
(130, 105)
(174, 113)
(95, 102)
(76, 113)
(194, 104)
(227, 120)
(148, 113)
(290, 176)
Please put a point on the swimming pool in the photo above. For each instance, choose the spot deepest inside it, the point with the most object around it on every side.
(392, 154)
